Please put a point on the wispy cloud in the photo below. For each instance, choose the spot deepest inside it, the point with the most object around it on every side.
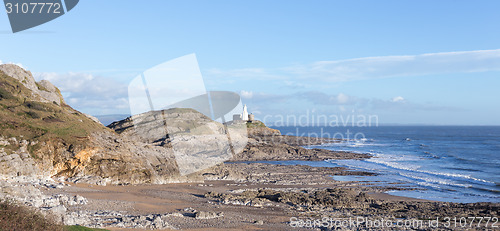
(253, 73)
(371, 67)
(320, 98)
(398, 99)
(263, 97)
(89, 93)
(246, 94)
(19, 64)
(408, 65)
(101, 95)
(343, 102)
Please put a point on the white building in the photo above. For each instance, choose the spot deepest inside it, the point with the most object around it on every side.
(244, 115)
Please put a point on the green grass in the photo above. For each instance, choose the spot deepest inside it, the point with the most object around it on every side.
(15, 217)
(4, 94)
(22, 115)
(256, 124)
(36, 106)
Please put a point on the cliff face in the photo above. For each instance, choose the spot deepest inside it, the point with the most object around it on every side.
(42, 91)
(42, 136)
(34, 117)
(196, 141)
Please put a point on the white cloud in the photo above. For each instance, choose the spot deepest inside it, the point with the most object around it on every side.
(90, 94)
(408, 65)
(256, 112)
(342, 99)
(247, 73)
(318, 73)
(398, 99)
(343, 102)
(18, 64)
(295, 84)
(246, 94)
(321, 98)
(87, 90)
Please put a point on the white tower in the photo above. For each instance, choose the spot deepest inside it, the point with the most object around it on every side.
(244, 115)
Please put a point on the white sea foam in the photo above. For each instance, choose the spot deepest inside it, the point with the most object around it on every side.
(381, 164)
(397, 162)
(434, 182)
(456, 176)
(443, 160)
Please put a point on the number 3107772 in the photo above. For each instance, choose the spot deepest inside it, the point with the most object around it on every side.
(33, 8)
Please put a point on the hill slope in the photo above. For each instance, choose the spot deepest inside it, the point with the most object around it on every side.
(42, 136)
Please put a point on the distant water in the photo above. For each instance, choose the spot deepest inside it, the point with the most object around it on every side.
(447, 163)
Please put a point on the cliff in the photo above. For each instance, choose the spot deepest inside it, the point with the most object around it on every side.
(40, 135)
(196, 141)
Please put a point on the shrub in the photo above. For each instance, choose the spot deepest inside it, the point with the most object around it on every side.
(4, 94)
(35, 105)
(15, 217)
(33, 114)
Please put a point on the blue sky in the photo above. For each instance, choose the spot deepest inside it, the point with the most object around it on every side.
(408, 62)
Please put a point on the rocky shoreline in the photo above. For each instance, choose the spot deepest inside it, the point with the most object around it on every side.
(234, 196)
(268, 144)
(134, 174)
(240, 194)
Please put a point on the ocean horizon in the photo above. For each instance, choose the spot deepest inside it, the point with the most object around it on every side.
(441, 163)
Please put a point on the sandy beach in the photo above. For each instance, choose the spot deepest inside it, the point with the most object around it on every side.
(269, 197)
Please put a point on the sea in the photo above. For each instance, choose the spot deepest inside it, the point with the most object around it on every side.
(440, 163)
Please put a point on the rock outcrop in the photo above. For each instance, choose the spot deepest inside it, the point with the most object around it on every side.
(196, 141)
(41, 136)
(43, 91)
(269, 144)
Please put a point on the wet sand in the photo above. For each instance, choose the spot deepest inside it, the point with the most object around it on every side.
(185, 199)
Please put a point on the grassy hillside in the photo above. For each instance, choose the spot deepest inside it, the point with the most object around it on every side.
(15, 217)
(21, 116)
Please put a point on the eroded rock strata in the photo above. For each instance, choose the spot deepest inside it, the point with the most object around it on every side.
(134, 175)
